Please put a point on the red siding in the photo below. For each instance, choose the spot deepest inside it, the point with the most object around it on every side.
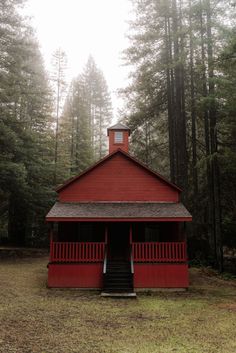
(161, 276)
(75, 275)
(118, 179)
(145, 276)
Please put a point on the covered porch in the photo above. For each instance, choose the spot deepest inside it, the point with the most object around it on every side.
(137, 241)
(93, 244)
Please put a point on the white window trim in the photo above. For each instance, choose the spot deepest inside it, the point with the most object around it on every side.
(119, 137)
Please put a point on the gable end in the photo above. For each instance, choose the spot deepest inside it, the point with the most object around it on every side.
(119, 177)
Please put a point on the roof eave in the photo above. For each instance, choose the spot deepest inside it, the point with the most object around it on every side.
(122, 219)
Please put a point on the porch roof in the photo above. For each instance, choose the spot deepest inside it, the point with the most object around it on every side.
(118, 211)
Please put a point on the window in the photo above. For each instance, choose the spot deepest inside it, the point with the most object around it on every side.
(118, 137)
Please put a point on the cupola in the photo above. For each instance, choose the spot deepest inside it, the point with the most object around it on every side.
(118, 137)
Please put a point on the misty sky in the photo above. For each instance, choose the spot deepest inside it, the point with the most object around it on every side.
(83, 27)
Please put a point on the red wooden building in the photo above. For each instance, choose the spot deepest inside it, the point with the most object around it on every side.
(118, 226)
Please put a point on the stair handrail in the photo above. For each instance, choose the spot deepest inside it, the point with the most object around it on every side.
(105, 261)
(131, 260)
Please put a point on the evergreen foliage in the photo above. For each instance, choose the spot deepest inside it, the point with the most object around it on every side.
(40, 146)
(86, 116)
(181, 108)
(181, 92)
(25, 131)
(58, 79)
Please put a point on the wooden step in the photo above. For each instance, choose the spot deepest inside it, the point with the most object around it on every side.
(119, 295)
(118, 278)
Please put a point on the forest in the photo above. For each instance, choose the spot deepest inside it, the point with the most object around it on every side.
(180, 105)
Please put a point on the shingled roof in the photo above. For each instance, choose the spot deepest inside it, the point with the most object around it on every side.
(118, 126)
(118, 210)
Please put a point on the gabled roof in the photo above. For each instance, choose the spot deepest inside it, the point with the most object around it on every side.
(111, 155)
(119, 210)
(118, 126)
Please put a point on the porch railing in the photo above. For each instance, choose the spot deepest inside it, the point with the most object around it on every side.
(77, 252)
(159, 252)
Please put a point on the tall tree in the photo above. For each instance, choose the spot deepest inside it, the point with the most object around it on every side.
(99, 108)
(25, 123)
(87, 113)
(59, 83)
(174, 88)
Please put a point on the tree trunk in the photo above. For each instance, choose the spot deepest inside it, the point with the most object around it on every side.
(183, 142)
(170, 106)
(180, 146)
(213, 146)
(17, 221)
(193, 108)
(57, 119)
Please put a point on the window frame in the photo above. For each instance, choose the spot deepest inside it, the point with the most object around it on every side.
(120, 139)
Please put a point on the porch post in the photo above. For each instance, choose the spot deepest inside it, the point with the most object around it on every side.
(185, 242)
(51, 241)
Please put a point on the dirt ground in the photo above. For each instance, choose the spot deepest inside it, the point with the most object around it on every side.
(35, 319)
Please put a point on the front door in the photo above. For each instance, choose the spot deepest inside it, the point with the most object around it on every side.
(118, 241)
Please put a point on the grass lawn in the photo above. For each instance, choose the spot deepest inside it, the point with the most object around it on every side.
(34, 319)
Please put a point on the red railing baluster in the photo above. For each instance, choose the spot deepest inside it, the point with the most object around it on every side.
(59, 258)
(94, 251)
(159, 251)
(184, 251)
(70, 245)
(68, 251)
(54, 252)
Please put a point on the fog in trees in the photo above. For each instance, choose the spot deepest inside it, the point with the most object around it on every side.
(179, 104)
(178, 97)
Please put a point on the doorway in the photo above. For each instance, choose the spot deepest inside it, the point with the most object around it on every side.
(118, 241)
